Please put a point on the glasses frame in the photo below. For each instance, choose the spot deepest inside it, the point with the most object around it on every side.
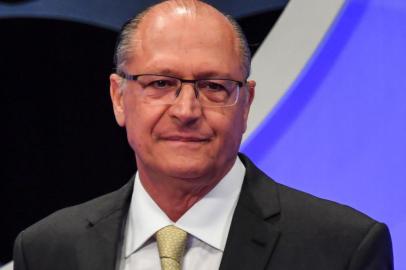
(135, 77)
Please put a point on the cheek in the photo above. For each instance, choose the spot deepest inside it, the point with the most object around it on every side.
(140, 122)
(229, 127)
(134, 126)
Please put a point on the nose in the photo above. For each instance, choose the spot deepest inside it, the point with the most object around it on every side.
(186, 110)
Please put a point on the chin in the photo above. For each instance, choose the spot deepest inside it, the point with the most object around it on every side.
(188, 168)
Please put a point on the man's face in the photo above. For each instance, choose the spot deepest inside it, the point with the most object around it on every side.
(183, 140)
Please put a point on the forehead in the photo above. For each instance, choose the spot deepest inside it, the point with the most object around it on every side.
(203, 39)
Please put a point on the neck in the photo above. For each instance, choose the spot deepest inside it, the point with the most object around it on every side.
(175, 196)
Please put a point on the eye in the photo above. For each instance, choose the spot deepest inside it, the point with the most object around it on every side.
(162, 84)
(212, 86)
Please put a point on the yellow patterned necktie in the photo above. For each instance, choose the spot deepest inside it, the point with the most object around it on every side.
(171, 246)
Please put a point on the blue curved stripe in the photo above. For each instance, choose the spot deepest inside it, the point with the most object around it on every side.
(310, 79)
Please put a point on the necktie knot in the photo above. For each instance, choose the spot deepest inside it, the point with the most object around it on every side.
(171, 246)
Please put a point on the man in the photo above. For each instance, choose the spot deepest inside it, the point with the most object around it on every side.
(181, 92)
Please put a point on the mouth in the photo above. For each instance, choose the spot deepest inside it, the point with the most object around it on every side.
(186, 139)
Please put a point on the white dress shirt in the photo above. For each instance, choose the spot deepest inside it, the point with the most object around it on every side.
(207, 223)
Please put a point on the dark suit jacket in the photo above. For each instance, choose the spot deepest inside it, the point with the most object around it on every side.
(274, 227)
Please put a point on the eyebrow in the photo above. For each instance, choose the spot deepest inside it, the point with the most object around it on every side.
(167, 71)
(200, 75)
(213, 74)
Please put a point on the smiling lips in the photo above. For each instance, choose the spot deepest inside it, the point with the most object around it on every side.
(186, 139)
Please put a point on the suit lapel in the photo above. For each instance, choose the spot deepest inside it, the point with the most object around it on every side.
(99, 245)
(253, 233)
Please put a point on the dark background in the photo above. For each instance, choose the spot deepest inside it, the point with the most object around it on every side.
(60, 143)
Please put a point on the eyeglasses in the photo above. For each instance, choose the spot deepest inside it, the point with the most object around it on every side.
(160, 90)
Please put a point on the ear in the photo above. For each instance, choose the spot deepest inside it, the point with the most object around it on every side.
(116, 95)
(249, 97)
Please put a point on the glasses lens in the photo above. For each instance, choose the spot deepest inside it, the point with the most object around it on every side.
(159, 89)
(217, 92)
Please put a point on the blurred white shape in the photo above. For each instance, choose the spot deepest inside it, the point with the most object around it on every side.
(286, 50)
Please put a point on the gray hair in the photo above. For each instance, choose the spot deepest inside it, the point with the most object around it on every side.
(123, 47)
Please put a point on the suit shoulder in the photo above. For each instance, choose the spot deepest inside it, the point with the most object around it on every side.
(69, 222)
(324, 213)
(335, 232)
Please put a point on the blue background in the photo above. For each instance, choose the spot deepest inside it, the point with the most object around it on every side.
(340, 131)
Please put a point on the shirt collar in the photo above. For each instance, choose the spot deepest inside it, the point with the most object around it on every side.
(208, 220)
